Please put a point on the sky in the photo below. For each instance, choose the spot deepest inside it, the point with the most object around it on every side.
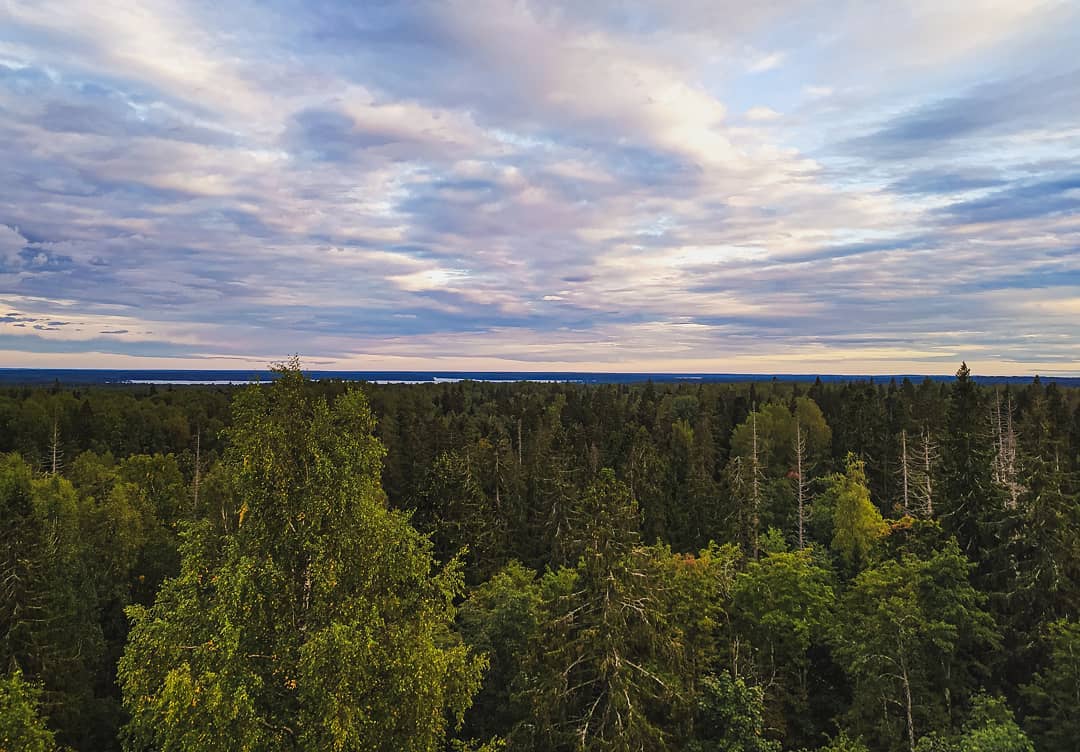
(703, 186)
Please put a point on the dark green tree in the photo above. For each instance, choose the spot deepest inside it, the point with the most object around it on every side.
(598, 674)
(911, 634)
(971, 503)
(461, 517)
(783, 606)
(729, 717)
(48, 619)
(500, 619)
(1054, 694)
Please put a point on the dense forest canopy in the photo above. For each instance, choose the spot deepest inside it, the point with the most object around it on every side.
(525, 566)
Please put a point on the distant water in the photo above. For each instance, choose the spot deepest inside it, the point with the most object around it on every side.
(224, 378)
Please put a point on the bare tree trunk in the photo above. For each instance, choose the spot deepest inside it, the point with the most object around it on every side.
(904, 471)
(755, 485)
(498, 477)
(928, 468)
(800, 480)
(907, 701)
(999, 454)
(198, 472)
(1005, 450)
(54, 447)
(1010, 455)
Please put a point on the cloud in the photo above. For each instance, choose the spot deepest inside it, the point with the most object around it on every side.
(515, 184)
(1023, 201)
(818, 91)
(948, 181)
(766, 62)
(11, 245)
(762, 114)
(1000, 107)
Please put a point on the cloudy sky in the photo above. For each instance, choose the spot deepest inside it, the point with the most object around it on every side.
(772, 186)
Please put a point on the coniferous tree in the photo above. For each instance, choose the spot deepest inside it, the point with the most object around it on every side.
(971, 504)
(48, 625)
(1054, 694)
(597, 677)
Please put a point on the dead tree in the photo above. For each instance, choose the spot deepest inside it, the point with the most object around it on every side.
(755, 483)
(905, 473)
(801, 482)
(56, 454)
(197, 477)
(927, 456)
(1004, 465)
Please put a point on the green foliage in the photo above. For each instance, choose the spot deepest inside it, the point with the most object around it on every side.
(770, 646)
(992, 728)
(694, 597)
(783, 606)
(776, 434)
(499, 620)
(972, 503)
(47, 619)
(461, 516)
(22, 729)
(313, 620)
(778, 426)
(910, 638)
(598, 676)
(856, 522)
(729, 717)
(1054, 694)
(844, 743)
(773, 542)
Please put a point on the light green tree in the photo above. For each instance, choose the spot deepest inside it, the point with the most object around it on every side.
(992, 728)
(729, 717)
(856, 522)
(22, 728)
(500, 619)
(314, 620)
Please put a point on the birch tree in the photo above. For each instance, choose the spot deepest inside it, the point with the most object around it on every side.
(317, 622)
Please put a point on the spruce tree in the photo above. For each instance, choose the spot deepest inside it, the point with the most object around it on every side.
(971, 503)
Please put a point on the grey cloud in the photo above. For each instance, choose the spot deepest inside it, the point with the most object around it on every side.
(1001, 107)
(333, 136)
(60, 105)
(1022, 201)
(947, 181)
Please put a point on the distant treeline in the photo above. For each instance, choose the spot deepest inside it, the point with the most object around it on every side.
(541, 566)
(126, 377)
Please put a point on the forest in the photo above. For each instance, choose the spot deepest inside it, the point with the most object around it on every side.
(317, 565)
